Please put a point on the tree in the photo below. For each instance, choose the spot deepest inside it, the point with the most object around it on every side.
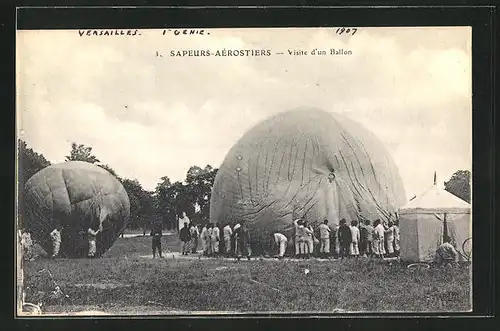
(459, 185)
(81, 153)
(165, 202)
(110, 170)
(199, 184)
(141, 204)
(30, 162)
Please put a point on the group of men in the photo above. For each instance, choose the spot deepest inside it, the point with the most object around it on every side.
(364, 239)
(228, 241)
(56, 239)
(379, 240)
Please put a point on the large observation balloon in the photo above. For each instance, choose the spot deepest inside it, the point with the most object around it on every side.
(78, 196)
(305, 163)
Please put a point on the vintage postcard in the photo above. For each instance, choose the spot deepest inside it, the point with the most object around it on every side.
(235, 171)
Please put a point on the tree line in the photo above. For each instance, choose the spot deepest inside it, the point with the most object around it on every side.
(167, 202)
(163, 205)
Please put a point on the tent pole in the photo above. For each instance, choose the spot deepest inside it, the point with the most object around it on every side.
(445, 229)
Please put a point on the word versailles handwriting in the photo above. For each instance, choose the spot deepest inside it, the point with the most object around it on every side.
(115, 32)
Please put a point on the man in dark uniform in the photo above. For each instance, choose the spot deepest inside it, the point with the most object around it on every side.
(345, 238)
(156, 233)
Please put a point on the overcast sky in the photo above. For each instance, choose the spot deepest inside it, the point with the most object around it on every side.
(149, 116)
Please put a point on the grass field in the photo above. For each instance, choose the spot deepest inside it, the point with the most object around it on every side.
(123, 281)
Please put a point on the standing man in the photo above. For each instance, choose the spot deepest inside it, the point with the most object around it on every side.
(203, 238)
(355, 236)
(210, 230)
(378, 239)
(279, 243)
(308, 240)
(300, 244)
(26, 244)
(396, 237)
(194, 238)
(298, 236)
(227, 233)
(55, 236)
(344, 237)
(243, 242)
(234, 239)
(156, 233)
(389, 235)
(185, 238)
(92, 237)
(336, 241)
(215, 238)
(367, 239)
(182, 220)
(324, 237)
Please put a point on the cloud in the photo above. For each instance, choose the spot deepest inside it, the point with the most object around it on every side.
(149, 116)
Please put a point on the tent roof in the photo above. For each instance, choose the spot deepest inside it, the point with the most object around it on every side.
(437, 199)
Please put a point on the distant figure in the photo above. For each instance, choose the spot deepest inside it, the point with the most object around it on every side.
(227, 233)
(210, 230)
(366, 233)
(92, 237)
(396, 237)
(297, 237)
(336, 241)
(324, 237)
(222, 246)
(300, 238)
(344, 237)
(243, 242)
(279, 243)
(195, 234)
(26, 244)
(182, 220)
(234, 239)
(446, 253)
(185, 238)
(355, 237)
(156, 233)
(378, 239)
(215, 238)
(389, 237)
(204, 239)
(55, 236)
(309, 239)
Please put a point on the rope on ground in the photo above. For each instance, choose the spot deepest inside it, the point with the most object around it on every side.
(419, 264)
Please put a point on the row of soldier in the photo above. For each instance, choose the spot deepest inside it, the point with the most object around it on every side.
(228, 242)
(357, 239)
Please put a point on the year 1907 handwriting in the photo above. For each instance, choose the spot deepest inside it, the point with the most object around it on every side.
(351, 31)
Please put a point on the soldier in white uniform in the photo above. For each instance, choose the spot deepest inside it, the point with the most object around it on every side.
(324, 237)
(227, 233)
(92, 236)
(280, 242)
(55, 236)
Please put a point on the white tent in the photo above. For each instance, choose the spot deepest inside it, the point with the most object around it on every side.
(424, 220)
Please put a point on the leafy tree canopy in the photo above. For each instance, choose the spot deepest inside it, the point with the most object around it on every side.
(459, 185)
